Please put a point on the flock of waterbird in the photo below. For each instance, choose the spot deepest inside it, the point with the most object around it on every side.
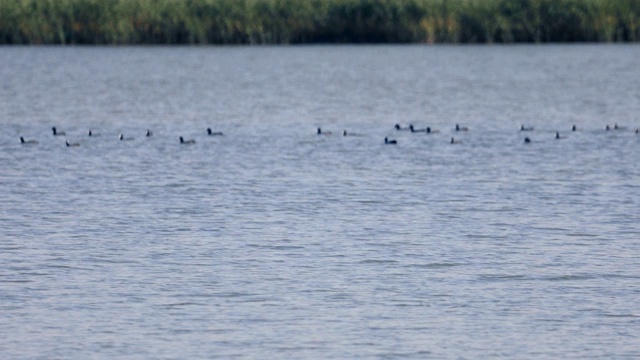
(387, 141)
(121, 137)
(458, 128)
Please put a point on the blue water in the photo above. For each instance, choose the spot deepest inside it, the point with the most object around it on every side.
(274, 242)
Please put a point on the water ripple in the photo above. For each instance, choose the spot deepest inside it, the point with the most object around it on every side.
(274, 242)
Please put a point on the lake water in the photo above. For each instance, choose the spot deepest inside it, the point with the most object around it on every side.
(274, 242)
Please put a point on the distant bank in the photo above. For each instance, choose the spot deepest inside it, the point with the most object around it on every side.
(121, 22)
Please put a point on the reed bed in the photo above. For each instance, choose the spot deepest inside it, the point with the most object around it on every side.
(120, 22)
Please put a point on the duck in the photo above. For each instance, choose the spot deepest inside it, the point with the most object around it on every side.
(92, 134)
(431, 131)
(638, 130)
(558, 136)
(320, 132)
(69, 144)
(454, 141)
(617, 127)
(527, 140)
(214, 133)
(57, 133)
(607, 128)
(414, 130)
(345, 133)
(399, 128)
(526, 128)
(390, 142)
(461, 128)
(574, 128)
(187, 142)
(122, 138)
(23, 141)
(148, 133)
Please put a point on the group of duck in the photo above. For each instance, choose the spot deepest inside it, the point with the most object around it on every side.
(387, 141)
(121, 137)
(458, 128)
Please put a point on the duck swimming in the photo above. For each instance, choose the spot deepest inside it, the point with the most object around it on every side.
(92, 134)
(345, 133)
(527, 140)
(454, 141)
(70, 144)
(574, 128)
(57, 133)
(399, 128)
(526, 128)
(558, 136)
(187, 142)
(390, 142)
(122, 138)
(461, 128)
(414, 130)
(319, 132)
(431, 131)
(23, 141)
(148, 133)
(214, 133)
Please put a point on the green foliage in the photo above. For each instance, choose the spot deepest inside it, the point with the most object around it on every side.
(316, 21)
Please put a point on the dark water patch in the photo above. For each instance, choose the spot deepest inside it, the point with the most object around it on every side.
(549, 228)
(20, 268)
(105, 260)
(406, 355)
(568, 277)
(620, 276)
(234, 295)
(487, 236)
(201, 295)
(378, 262)
(18, 281)
(407, 304)
(633, 316)
(66, 267)
(34, 274)
(369, 202)
(624, 233)
(297, 349)
(181, 305)
(12, 248)
(434, 265)
(340, 297)
(277, 247)
(582, 235)
(260, 299)
(546, 320)
(319, 290)
(501, 277)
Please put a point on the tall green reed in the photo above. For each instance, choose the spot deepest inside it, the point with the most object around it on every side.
(317, 21)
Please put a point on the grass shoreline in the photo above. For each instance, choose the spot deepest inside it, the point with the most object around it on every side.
(280, 22)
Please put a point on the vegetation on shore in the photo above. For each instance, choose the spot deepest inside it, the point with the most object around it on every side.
(317, 21)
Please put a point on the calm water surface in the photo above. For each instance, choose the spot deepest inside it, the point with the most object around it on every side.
(274, 242)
